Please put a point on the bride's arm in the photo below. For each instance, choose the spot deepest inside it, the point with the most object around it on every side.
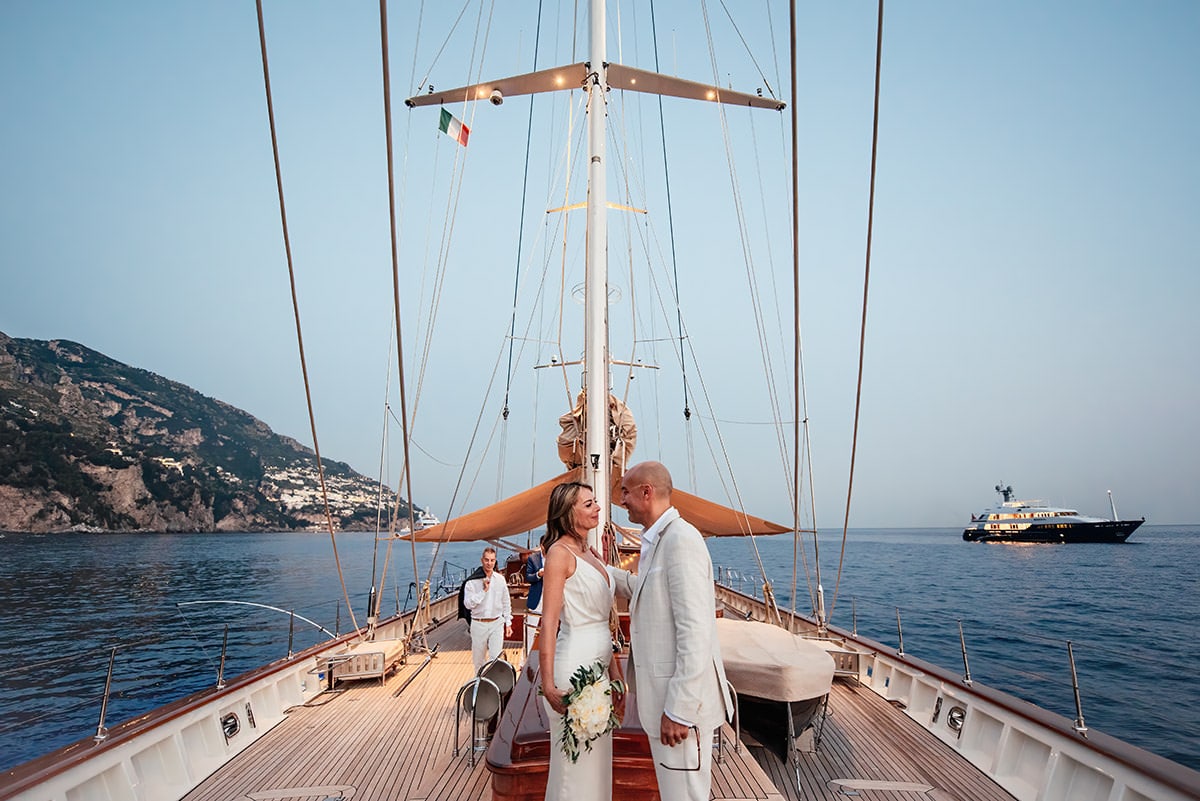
(554, 580)
(617, 673)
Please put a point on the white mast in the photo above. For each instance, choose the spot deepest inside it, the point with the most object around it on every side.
(598, 466)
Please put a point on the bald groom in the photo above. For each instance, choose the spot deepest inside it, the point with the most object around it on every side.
(675, 658)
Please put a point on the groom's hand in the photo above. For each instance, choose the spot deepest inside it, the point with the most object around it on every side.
(672, 733)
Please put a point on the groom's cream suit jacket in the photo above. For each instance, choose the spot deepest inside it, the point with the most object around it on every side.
(675, 655)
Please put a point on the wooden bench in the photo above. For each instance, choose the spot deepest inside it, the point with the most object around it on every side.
(846, 661)
(367, 660)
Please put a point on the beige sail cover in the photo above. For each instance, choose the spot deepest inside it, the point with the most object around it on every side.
(522, 512)
(622, 434)
(769, 662)
(527, 511)
(715, 520)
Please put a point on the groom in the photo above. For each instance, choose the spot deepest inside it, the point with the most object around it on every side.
(675, 658)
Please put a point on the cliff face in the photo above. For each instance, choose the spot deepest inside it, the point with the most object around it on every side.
(87, 442)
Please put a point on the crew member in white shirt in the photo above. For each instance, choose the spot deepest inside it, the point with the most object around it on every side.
(491, 611)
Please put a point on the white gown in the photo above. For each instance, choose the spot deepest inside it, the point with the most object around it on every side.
(583, 639)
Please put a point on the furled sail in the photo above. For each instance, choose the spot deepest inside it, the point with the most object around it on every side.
(622, 434)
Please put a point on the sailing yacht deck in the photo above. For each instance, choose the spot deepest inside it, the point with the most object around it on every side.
(366, 743)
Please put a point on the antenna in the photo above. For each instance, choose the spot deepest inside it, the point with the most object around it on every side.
(1112, 504)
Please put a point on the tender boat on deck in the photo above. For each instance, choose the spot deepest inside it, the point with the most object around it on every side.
(782, 681)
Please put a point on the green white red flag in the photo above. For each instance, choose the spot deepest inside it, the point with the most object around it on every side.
(453, 127)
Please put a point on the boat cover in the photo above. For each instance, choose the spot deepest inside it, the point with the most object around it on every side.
(766, 661)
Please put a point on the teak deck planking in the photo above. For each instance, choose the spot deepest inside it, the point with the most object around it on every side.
(388, 748)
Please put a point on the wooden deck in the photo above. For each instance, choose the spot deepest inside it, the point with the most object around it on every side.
(869, 745)
(368, 744)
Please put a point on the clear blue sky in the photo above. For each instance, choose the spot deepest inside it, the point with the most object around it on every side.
(1035, 271)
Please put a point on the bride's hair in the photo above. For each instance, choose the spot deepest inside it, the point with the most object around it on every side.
(558, 515)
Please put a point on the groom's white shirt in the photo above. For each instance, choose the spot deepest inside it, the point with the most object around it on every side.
(651, 534)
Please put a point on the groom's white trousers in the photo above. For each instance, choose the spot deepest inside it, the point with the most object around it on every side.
(684, 771)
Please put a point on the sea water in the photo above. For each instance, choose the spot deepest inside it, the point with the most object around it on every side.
(159, 607)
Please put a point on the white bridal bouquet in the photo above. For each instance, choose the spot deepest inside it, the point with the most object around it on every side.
(590, 711)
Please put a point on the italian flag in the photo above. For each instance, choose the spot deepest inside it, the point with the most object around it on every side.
(453, 127)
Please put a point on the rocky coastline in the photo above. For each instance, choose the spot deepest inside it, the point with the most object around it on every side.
(90, 444)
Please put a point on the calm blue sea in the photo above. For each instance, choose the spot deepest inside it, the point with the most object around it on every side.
(1130, 610)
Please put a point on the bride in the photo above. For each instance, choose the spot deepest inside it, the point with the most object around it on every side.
(577, 597)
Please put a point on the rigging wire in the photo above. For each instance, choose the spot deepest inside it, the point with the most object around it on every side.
(619, 134)
(715, 442)
(457, 175)
(414, 442)
(376, 597)
(384, 477)
(754, 294)
(459, 489)
(682, 347)
(462, 12)
(287, 246)
(772, 384)
(573, 157)
(521, 217)
(689, 431)
(512, 331)
(862, 336)
(803, 399)
(454, 194)
(797, 350)
(749, 51)
(395, 258)
(662, 126)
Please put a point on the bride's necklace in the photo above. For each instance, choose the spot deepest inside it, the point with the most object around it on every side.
(582, 549)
